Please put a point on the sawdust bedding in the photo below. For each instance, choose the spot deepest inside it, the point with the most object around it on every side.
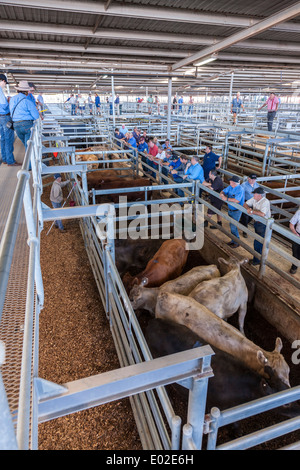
(76, 342)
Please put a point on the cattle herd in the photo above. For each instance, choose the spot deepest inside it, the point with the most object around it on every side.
(191, 309)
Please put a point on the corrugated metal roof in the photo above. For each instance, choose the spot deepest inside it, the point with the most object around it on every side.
(153, 32)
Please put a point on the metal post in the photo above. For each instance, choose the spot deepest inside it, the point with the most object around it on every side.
(266, 245)
(197, 404)
(113, 100)
(7, 432)
(265, 159)
(230, 90)
(169, 108)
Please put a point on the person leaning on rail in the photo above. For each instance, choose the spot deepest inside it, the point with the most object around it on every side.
(7, 134)
(295, 228)
(23, 112)
(258, 205)
(234, 193)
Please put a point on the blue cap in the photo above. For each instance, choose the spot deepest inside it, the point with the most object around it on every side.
(57, 175)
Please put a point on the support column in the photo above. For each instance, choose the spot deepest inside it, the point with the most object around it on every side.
(230, 90)
(169, 108)
(113, 100)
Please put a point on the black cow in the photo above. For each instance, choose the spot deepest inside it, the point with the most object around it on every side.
(233, 384)
(135, 254)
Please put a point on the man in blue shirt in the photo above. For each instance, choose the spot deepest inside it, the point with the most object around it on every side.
(119, 136)
(143, 146)
(211, 161)
(180, 102)
(167, 145)
(248, 187)
(97, 103)
(194, 170)
(131, 140)
(234, 193)
(7, 135)
(236, 106)
(23, 112)
(179, 172)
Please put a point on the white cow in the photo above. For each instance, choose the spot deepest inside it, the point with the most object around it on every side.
(225, 295)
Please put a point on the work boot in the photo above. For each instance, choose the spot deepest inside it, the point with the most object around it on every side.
(233, 244)
(293, 269)
(214, 228)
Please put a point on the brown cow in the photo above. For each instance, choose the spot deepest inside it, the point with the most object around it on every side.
(122, 183)
(166, 264)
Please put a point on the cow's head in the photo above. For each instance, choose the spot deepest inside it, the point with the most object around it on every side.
(136, 296)
(275, 367)
(232, 263)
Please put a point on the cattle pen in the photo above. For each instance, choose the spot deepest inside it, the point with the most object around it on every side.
(158, 425)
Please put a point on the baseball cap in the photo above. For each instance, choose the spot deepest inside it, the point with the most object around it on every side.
(235, 178)
(252, 177)
(3, 77)
(258, 191)
(57, 175)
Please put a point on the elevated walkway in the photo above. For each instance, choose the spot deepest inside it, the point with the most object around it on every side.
(12, 320)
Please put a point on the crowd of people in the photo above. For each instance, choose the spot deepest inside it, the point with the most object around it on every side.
(79, 104)
(179, 105)
(17, 115)
(181, 168)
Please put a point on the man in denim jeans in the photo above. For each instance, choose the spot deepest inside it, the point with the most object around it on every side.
(234, 193)
(7, 135)
(56, 197)
(23, 111)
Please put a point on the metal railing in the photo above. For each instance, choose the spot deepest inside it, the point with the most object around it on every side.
(130, 344)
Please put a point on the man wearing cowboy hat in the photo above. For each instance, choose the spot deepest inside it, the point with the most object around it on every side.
(7, 135)
(23, 112)
(258, 205)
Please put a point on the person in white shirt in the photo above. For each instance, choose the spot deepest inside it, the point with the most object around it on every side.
(81, 104)
(90, 102)
(295, 228)
(258, 205)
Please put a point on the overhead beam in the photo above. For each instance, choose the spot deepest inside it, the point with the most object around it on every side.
(127, 10)
(144, 36)
(58, 46)
(263, 25)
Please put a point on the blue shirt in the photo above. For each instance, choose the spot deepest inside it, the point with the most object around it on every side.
(248, 189)
(195, 172)
(40, 99)
(132, 142)
(236, 103)
(175, 164)
(165, 147)
(143, 147)
(124, 131)
(210, 161)
(25, 111)
(4, 106)
(31, 97)
(97, 101)
(237, 193)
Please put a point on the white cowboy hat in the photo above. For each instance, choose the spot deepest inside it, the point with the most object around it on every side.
(24, 86)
